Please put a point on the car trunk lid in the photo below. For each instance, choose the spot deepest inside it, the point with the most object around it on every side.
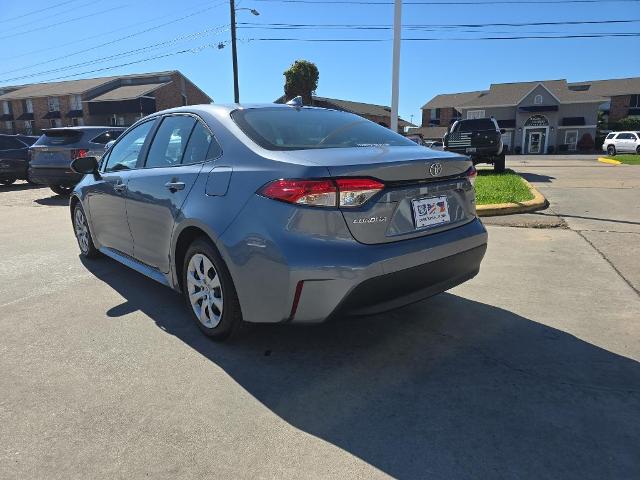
(419, 183)
(55, 147)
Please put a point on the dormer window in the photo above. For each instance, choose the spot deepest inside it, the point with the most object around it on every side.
(537, 100)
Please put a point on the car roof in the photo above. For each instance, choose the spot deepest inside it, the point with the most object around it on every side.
(84, 128)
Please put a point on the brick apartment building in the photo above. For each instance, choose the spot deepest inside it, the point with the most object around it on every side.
(566, 111)
(117, 100)
(376, 113)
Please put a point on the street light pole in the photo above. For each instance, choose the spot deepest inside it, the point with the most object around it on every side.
(395, 76)
(234, 52)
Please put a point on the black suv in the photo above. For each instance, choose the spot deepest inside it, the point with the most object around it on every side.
(478, 138)
(14, 157)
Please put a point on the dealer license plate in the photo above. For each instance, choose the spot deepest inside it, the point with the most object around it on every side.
(471, 150)
(429, 212)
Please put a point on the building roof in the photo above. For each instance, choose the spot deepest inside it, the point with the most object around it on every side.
(448, 100)
(511, 94)
(358, 108)
(610, 88)
(70, 87)
(128, 92)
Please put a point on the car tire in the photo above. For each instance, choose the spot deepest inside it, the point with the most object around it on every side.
(638, 150)
(83, 234)
(62, 190)
(611, 150)
(209, 291)
(7, 181)
(498, 163)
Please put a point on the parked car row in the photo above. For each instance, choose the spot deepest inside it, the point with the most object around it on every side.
(46, 159)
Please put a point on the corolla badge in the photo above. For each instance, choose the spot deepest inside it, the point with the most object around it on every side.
(435, 169)
(370, 220)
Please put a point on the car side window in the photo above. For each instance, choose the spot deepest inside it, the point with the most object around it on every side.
(8, 143)
(124, 154)
(202, 146)
(170, 141)
(610, 136)
(624, 136)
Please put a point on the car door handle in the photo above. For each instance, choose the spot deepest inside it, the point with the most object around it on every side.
(119, 187)
(174, 186)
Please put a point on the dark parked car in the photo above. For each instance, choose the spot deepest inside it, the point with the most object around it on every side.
(480, 139)
(279, 213)
(52, 154)
(14, 157)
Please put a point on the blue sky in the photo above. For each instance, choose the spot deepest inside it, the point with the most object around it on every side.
(38, 31)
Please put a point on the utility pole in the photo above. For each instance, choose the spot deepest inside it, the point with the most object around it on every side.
(395, 76)
(234, 52)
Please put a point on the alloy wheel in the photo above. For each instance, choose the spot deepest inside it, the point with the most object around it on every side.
(82, 230)
(204, 290)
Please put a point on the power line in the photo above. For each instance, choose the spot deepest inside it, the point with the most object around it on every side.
(180, 52)
(47, 18)
(38, 29)
(50, 7)
(127, 53)
(467, 25)
(440, 39)
(111, 42)
(478, 3)
(57, 46)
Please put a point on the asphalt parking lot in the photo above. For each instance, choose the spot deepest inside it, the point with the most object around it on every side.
(528, 371)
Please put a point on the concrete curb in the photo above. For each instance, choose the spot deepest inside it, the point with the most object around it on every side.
(537, 203)
(609, 161)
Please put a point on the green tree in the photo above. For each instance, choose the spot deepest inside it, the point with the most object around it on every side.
(301, 79)
(629, 123)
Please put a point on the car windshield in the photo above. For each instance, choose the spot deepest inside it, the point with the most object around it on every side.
(309, 128)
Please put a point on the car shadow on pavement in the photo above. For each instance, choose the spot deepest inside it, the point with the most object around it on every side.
(445, 388)
(54, 201)
(17, 187)
(536, 177)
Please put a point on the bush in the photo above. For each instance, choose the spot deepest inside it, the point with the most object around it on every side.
(586, 143)
(628, 123)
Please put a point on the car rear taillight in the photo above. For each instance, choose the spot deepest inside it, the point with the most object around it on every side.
(471, 174)
(342, 192)
(78, 153)
(354, 192)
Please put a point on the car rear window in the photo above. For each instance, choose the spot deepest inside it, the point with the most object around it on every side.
(59, 137)
(292, 128)
(476, 124)
(107, 136)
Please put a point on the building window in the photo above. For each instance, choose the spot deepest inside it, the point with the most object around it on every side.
(75, 102)
(55, 122)
(28, 127)
(8, 126)
(471, 114)
(6, 108)
(27, 105)
(635, 101)
(117, 121)
(537, 100)
(54, 104)
(571, 139)
(77, 121)
(434, 116)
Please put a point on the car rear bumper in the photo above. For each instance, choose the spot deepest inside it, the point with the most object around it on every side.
(53, 175)
(306, 274)
(12, 169)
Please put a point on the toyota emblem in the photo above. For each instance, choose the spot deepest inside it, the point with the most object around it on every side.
(435, 169)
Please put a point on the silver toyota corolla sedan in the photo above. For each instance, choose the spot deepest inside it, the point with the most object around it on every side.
(280, 213)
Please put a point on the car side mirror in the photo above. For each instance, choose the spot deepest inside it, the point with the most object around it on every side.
(85, 165)
(503, 131)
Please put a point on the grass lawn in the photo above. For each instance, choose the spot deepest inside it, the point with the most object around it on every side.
(629, 159)
(505, 187)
